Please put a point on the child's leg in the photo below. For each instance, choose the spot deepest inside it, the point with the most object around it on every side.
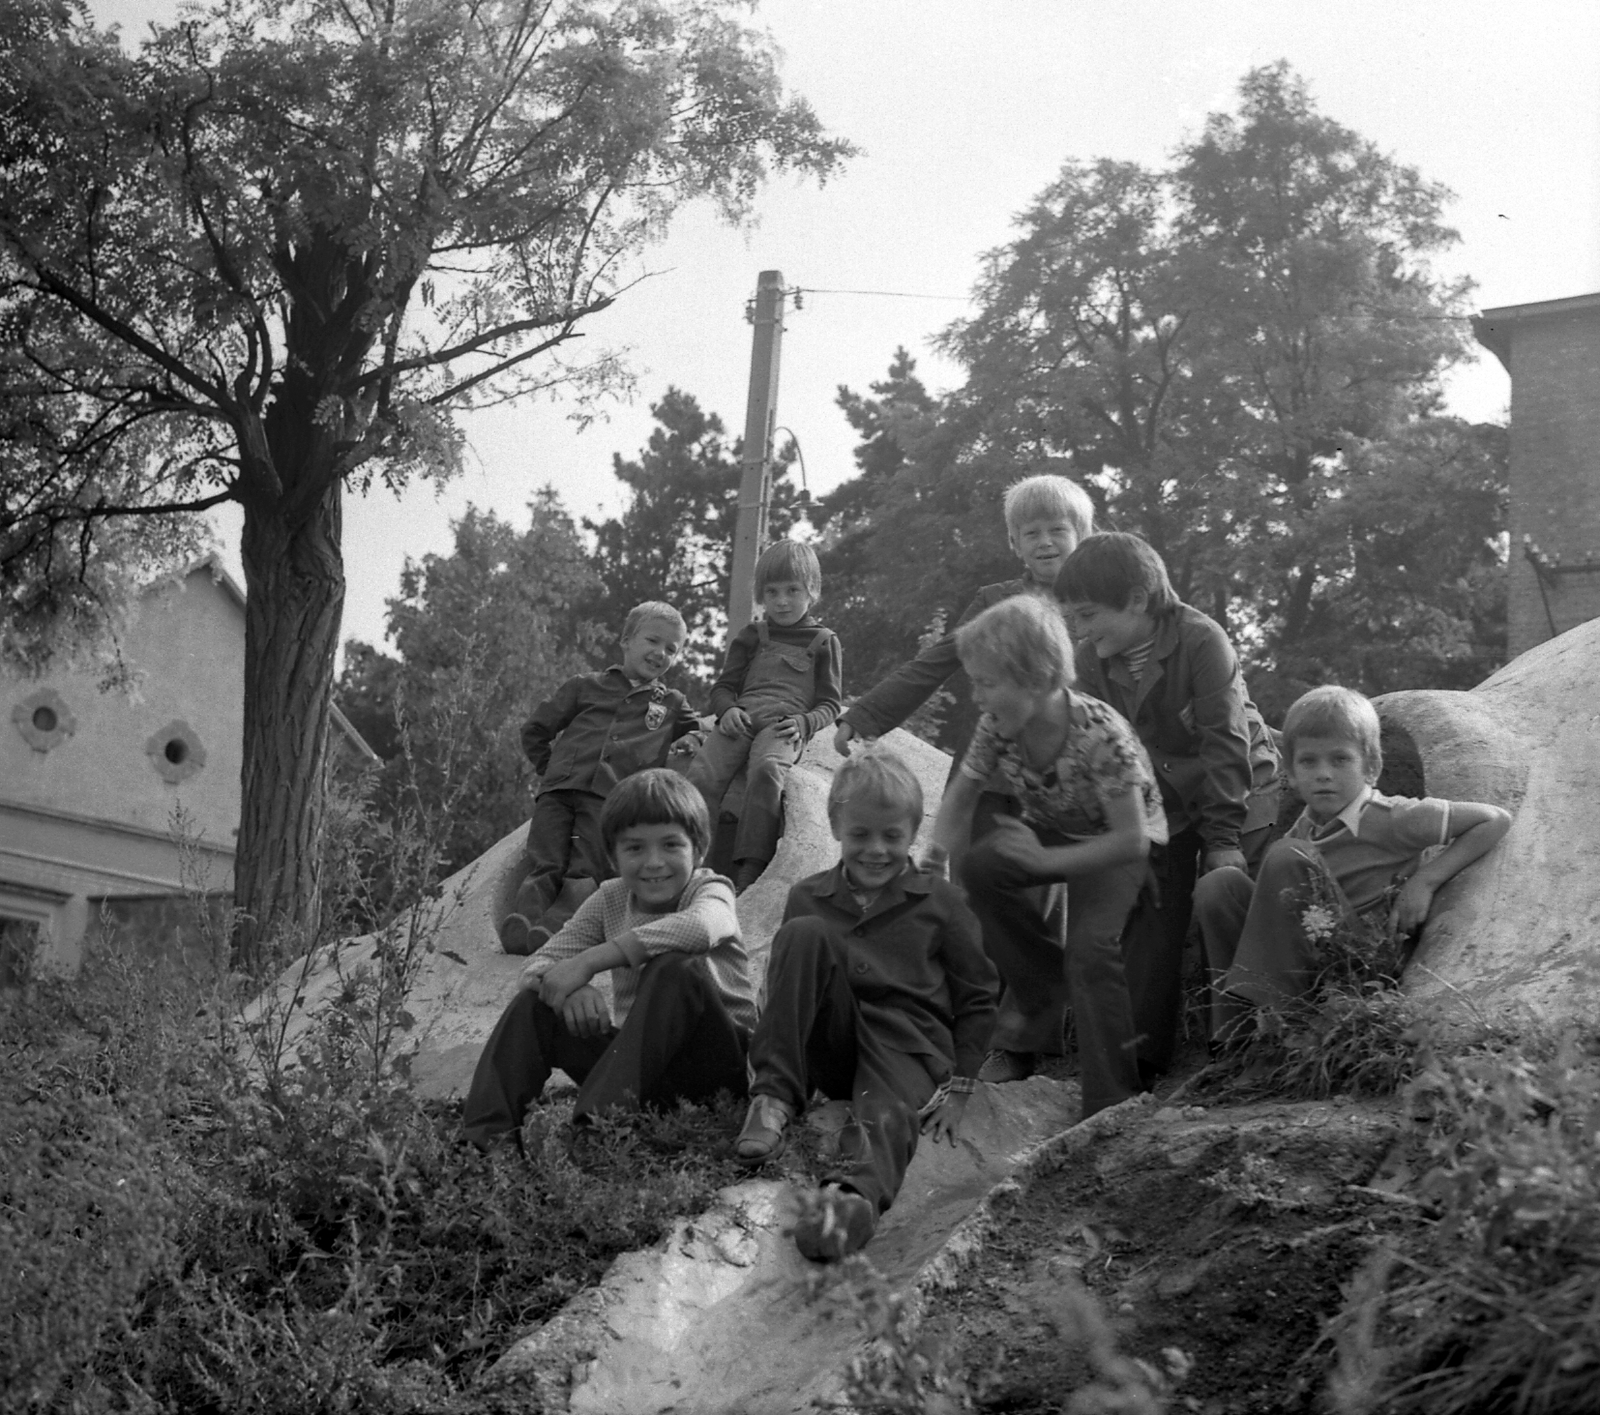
(1276, 960)
(1097, 913)
(1152, 950)
(875, 1148)
(1023, 944)
(714, 767)
(806, 1037)
(677, 1043)
(760, 818)
(587, 863)
(812, 1034)
(1221, 903)
(548, 847)
(528, 1042)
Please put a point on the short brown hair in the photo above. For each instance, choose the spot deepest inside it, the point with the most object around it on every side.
(877, 775)
(789, 560)
(642, 614)
(1107, 568)
(1340, 713)
(656, 797)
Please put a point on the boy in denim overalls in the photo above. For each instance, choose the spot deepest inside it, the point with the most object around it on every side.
(780, 684)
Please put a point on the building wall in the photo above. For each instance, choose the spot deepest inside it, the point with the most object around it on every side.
(1555, 472)
(94, 816)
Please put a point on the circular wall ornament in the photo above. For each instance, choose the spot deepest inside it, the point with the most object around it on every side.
(176, 751)
(44, 719)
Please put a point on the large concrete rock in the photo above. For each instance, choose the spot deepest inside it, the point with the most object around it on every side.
(463, 980)
(723, 1315)
(1522, 926)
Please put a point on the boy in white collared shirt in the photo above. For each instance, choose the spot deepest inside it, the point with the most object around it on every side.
(1368, 846)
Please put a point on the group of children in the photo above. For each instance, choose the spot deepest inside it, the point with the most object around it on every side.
(1119, 783)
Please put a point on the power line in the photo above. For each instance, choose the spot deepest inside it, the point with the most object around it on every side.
(883, 294)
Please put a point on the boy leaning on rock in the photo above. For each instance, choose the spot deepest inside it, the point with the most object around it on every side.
(1365, 849)
(878, 992)
(598, 729)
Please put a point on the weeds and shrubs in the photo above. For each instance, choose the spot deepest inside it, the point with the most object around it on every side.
(1491, 1303)
(209, 1206)
(905, 1369)
(1354, 1033)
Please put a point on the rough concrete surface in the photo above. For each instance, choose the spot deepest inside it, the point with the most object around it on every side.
(721, 1316)
(464, 980)
(1521, 927)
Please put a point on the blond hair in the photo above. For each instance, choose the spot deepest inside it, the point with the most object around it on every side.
(1023, 640)
(878, 776)
(1046, 495)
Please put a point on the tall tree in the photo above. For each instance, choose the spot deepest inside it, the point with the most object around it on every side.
(296, 237)
(674, 538)
(1240, 357)
(483, 635)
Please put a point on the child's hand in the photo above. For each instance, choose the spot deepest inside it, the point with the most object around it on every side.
(1411, 906)
(1016, 844)
(735, 723)
(1222, 859)
(561, 980)
(945, 1123)
(585, 1012)
(843, 735)
(788, 729)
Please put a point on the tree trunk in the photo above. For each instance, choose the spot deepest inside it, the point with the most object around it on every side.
(294, 575)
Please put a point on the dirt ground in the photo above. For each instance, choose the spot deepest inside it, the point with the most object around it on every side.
(1225, 1233)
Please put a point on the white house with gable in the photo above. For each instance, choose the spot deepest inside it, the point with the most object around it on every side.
(112, 796)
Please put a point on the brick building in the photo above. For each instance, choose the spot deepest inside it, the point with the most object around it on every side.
(1552, 352)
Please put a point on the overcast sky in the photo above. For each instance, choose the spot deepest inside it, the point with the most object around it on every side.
(964, 110)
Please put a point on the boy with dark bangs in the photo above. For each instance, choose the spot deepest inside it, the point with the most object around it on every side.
(683, 1005)
(1173, 673)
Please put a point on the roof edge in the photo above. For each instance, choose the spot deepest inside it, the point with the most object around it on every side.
(1493, 328)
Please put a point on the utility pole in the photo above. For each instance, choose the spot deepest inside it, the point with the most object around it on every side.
(760, 417)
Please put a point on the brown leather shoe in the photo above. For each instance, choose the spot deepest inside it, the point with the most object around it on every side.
(763, 1137)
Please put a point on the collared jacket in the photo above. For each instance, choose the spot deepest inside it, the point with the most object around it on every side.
(601, 727)
(1212, 753)
(916, 963)
(892, 700)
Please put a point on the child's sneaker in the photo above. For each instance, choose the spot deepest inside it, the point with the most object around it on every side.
(834, 1223)
(1001, 1066)
(515, 930)
(762, 1137)
(518, 936)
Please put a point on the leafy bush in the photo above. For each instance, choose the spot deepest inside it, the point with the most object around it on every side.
(211, 1207)
(1492, 1302)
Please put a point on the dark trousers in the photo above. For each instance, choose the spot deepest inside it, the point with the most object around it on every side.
(1023, 944)
(1257, 950)
(563, 840)
(1153, 943)
(677, 1043)
(813, 1036)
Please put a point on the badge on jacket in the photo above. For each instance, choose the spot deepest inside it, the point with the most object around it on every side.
(655, 717)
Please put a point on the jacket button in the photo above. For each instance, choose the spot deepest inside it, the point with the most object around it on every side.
(861, 967)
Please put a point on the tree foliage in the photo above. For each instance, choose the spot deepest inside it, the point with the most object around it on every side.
(289, 240)
(1240, 357)
(674, 538)
(508, 614)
